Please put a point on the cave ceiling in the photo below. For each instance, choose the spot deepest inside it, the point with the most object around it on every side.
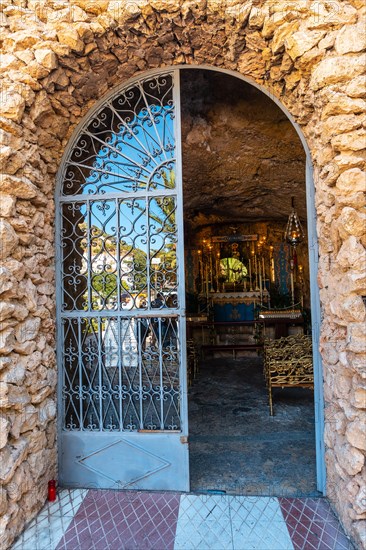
(242, 158)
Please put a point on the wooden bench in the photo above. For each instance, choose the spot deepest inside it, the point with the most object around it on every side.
(288, 363)
(231, 347)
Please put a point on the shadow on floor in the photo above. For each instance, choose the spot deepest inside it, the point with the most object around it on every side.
(236, 447)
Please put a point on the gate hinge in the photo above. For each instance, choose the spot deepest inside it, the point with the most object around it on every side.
(184, 439)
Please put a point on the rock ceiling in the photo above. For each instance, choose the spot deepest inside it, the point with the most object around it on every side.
(242, 159)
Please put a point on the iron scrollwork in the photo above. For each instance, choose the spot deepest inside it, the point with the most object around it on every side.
(119, 284)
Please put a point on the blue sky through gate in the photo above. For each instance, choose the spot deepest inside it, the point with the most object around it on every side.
(137, 158)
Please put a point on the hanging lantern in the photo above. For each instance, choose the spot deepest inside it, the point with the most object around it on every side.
(294, 233)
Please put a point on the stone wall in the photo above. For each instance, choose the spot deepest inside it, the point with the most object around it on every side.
(61, 56)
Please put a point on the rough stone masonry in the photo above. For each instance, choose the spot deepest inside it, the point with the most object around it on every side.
(58, 58)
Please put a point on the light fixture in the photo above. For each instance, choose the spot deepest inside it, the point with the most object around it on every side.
(294, 233)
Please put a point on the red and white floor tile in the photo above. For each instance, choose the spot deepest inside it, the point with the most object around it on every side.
(93, 519)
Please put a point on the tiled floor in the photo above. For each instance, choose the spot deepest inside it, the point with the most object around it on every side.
(122, 520)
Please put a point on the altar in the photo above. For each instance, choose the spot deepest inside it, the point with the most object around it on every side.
(229, 307)
(232, 276)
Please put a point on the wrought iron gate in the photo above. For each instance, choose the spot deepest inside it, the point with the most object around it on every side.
(123, 413)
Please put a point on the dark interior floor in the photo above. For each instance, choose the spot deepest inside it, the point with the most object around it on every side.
(235, 446)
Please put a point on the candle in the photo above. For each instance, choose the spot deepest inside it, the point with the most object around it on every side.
(52, 490)
(255, 269)
(250, 275)
(200, 269)
(292, 282)
(211, 272)
(270, 270)
(273, 277)
(260, 287)
(217, 273)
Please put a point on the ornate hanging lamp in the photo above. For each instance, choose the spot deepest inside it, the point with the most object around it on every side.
(294, 233)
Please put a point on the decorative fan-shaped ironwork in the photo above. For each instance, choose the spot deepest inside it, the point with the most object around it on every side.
(129, 144)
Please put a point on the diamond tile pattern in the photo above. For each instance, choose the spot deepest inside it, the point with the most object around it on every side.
(312, 525)
(226, 522)
(257, 523)
(123, 520)
(132, 520)
(204, 522)
(45, 531)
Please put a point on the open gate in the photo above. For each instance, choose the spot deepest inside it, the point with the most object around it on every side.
(120, 308)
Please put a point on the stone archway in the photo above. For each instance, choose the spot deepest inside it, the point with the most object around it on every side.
(58, 62)
(78, 148)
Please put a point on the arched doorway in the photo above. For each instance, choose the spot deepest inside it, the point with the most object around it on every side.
(242, 163)
(113, 342)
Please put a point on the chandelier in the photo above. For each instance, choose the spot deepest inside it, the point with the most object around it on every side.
(294, 233)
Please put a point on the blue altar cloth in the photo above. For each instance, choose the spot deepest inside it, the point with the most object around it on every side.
(231, 312)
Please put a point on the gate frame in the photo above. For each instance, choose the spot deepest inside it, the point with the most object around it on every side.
(313, 249)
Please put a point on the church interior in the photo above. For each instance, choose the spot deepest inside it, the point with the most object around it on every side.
(251, 417)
